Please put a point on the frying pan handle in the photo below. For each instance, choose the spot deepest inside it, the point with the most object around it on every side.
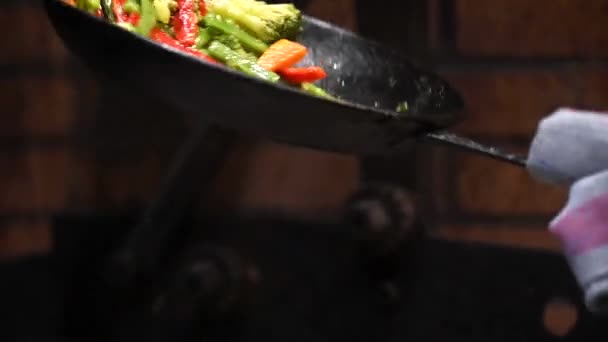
(469, 145)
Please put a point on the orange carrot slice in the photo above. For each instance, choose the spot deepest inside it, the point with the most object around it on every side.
(282, 54)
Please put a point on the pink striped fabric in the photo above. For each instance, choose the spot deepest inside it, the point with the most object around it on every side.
(584, 228)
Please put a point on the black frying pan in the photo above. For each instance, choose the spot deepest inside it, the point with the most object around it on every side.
(370, 79)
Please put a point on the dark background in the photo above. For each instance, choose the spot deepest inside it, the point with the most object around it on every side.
(66, 144)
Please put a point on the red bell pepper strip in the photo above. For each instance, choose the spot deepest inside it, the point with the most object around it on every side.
(134, 18)
(162, 37)
(301, 75)
(119, 13)
(184, 23)
(123, 17)
(202, 7)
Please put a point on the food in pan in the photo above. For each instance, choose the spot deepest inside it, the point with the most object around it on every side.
(253, 37)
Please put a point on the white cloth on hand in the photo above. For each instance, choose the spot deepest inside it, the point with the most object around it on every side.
(569, 145)
(571, 148)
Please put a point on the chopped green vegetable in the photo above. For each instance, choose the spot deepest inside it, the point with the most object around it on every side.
(106, 5)
(132, 6)
(204, 37)
(268, 22)
(247, 41)
(234, 45)
(148, 18)
(229, 41)
(163, 11)
(232, 59)
(91, 6)
(314, 90)
(165, 28)
(402, 107)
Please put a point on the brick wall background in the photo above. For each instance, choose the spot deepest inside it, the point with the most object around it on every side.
(66, 143)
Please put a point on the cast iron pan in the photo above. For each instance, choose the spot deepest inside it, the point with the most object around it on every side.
(370, 79)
